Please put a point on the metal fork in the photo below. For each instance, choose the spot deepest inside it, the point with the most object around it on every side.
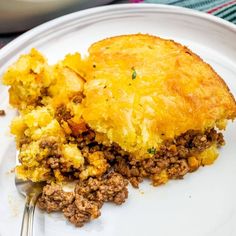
(31, 192)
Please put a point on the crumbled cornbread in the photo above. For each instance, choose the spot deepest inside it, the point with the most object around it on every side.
(49, 101)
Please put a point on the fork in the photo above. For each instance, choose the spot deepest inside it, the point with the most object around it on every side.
(31, 192)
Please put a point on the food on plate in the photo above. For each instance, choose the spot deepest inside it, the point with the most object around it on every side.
(137, 106)
(2, 112)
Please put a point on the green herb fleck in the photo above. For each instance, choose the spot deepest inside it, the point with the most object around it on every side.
(134, 74)
(152, 151)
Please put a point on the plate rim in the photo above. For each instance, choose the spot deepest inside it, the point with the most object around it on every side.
(17, 42)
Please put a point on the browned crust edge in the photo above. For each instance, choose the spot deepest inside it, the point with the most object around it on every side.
(192, 54)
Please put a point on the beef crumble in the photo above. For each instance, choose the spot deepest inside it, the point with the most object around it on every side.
(54, 198)
(112, 188)
(81, 211)
(2, 112)
(85, 202)
(62, 113)
(173, 160)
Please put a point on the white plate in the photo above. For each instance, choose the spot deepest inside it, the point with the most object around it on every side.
(203, 204)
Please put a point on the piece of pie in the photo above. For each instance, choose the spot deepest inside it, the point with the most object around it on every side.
(137, 106)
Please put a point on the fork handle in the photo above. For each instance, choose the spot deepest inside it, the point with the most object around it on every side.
(28, 215)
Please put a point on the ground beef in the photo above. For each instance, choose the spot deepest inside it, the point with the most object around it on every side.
(54, 198)
(2, 113)
(135, 181)
(50, 143)
(62, 113)
(24, 140)
(87, 139)
(178, 169)
(81, 211)
(172, 157)
(85, 202)
(112, 188)
(171, 161)
(53, 162)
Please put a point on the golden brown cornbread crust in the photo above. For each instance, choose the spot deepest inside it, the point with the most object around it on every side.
(218, 77)
(187, 50)
(193, 54)
(174, 89)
